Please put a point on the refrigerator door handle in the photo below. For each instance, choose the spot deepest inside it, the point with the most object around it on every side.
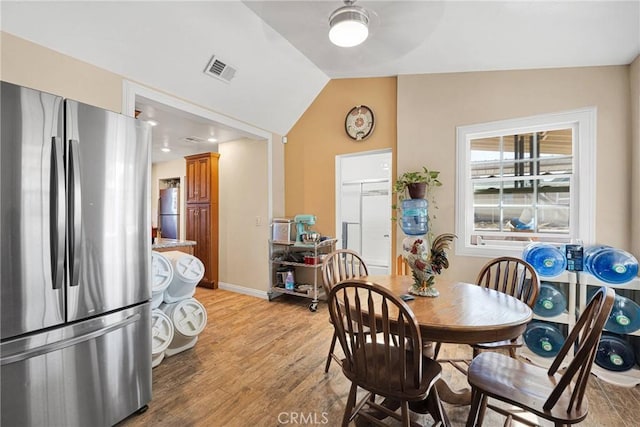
(58, 345)
(75, 211)
(57, 220)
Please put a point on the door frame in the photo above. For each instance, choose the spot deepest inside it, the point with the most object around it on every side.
(131, 90)
(338, 193)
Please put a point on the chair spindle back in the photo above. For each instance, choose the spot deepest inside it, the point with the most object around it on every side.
(370, 359)
(511, 276)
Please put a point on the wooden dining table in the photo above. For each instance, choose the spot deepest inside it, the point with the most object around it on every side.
(463, 313)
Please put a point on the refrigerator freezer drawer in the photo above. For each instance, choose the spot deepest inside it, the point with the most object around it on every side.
(95, 372)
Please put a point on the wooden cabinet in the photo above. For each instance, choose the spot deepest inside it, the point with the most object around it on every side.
(202, 212)
(202, 178)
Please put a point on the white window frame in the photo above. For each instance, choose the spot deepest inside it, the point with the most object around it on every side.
(583, 185)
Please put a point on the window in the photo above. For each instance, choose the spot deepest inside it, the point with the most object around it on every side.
(524, 180)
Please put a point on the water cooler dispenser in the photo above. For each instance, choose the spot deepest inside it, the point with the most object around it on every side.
(414, 217)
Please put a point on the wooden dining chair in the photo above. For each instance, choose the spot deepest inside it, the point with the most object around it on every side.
(340, 265)
(549, 394)
(515, 277)
(379, 363)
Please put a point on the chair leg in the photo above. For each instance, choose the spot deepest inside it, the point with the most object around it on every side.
(330, 355)
(483, 409)
(351, 403)
(436, 409)
(474, 412)
(512, 352)
(406, 421)
(436, 350)
(476, 352)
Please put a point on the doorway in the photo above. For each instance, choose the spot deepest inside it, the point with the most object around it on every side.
(363, 207)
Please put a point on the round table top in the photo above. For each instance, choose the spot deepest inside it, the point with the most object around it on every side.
(463, 313)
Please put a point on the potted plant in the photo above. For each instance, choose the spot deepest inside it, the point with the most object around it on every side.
(416, 183)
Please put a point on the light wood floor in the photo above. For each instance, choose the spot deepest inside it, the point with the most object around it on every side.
(261, 363)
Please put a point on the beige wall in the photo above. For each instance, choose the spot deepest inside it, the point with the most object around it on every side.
(319, 136)
(431, 106)
(634, 79)
(164, 170)
(244, 218)
(28, 64)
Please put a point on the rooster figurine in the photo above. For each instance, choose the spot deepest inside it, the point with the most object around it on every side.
(426, 263)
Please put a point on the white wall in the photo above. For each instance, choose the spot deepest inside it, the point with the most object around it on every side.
(244, 216)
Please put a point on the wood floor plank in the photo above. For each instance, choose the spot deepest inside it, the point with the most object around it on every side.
(261, 363)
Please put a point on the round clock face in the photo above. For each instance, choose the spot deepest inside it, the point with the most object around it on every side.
(359, 122)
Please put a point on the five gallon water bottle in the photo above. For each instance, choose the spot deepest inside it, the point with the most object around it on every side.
(551, 302)
(543, 339)
(625, 314)
(414, 217)
(610, 265)
(547, 259)
(614, 354)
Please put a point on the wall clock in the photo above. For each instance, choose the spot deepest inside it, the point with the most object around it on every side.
(359, 122)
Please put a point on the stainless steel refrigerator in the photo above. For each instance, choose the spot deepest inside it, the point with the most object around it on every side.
(168, 213)
(75, 256)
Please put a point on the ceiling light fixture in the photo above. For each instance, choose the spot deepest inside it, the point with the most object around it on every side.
(165, 149)
(212, 139)
(152, 122)
(348, 25)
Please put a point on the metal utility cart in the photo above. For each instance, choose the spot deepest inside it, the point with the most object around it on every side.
(304, 260)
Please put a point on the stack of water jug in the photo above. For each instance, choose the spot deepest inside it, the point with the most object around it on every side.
(177, 317)
(609, 265)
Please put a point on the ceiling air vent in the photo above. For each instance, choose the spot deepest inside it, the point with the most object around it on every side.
(220, 70)
(194, 139)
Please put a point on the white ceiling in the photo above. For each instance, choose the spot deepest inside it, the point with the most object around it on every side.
(283, 55)
(181, 132)
(418, 37)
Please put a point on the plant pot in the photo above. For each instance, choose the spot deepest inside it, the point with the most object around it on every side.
(417, 190)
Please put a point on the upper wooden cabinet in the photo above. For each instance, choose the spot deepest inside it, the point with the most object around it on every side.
(202, 178)
(202, 212)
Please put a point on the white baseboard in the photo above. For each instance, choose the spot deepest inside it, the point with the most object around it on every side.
(243, 290)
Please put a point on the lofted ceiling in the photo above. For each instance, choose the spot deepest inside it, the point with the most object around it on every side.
(282, 55)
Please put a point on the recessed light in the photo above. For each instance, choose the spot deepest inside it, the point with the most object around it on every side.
(165, 149)
(152, 122)
(212, 139)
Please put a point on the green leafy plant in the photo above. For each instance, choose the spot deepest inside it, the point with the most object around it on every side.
(430, 178)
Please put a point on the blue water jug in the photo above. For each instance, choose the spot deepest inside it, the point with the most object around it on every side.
(614, 354)
(611, 265)
(589, 251)
(547, 259)
(543, 339)
(414, 217)
(625, 314)
(550, 302)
